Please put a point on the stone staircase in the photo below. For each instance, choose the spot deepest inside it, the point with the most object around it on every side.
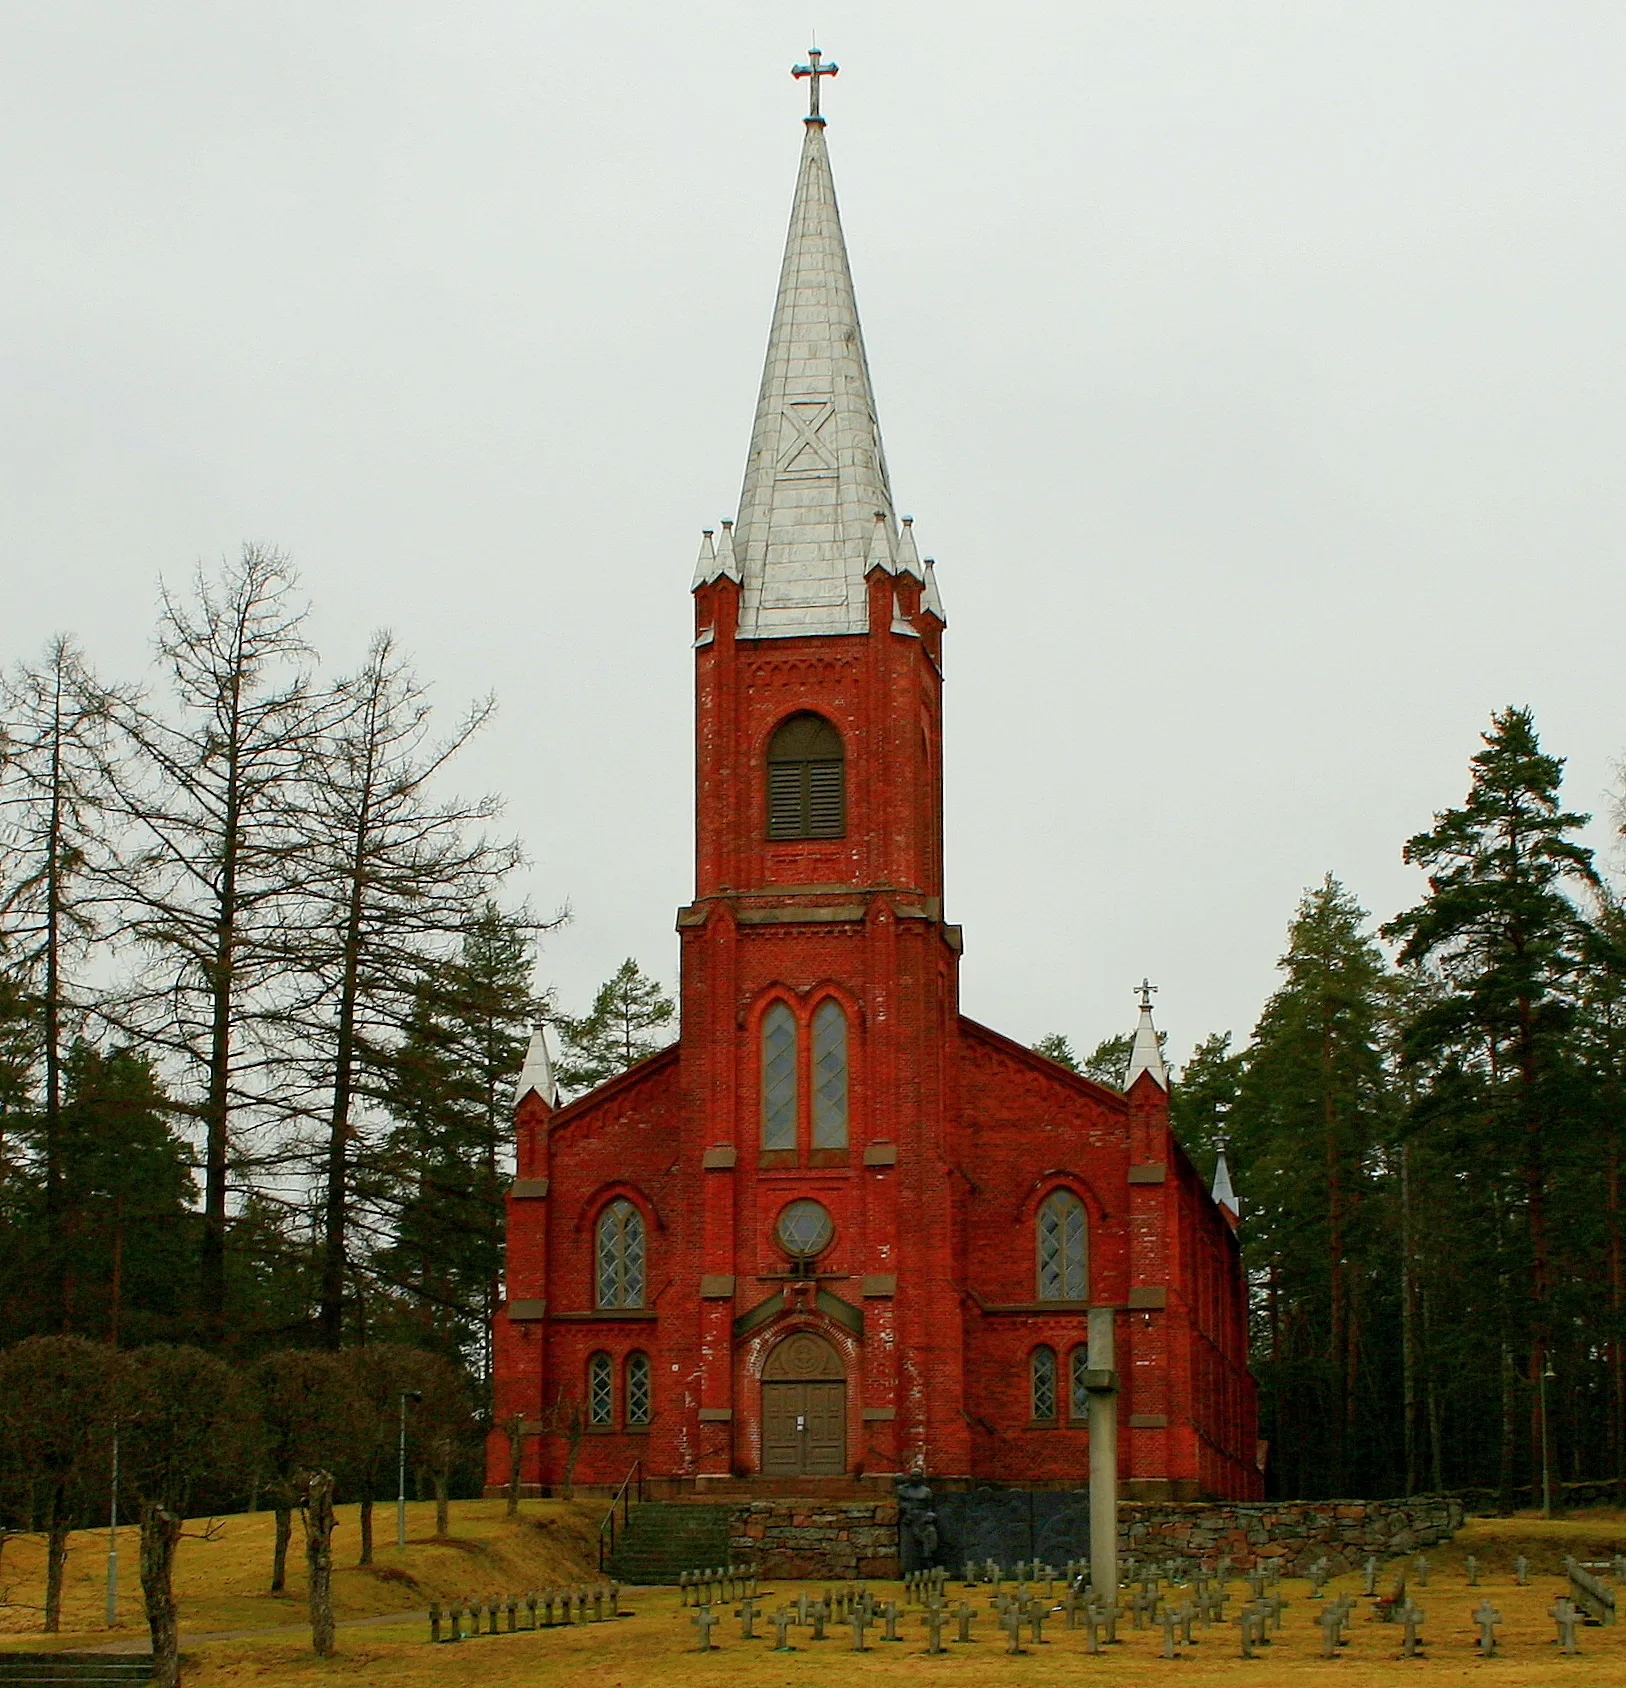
(665, 1538)
(78, 1668)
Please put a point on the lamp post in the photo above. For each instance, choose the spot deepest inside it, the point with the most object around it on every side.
(113, 1537)
(1546, 1453)
(400, 1504)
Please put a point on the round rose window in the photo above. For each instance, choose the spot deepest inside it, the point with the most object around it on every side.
(805, 1229)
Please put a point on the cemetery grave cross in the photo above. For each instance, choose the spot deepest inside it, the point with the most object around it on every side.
(1245, 1620)
(747, 1614)
(530, 1606)
(703, 1621)
(513, 1615)
(1412, 1620)
(1038, 1611)
(1169, 1623)
(457, 1621)
(434, 1620)
(935, 1618)
(1487, 1617)
(1521, 1571)
(889, 1618)
(816, 1614)
(781, 1622)
(1330, 1626)
(1566, 1617)
(1092, 1623)
(1011, 1622)
(1370, 1571)
(493, 1608)
(860, 1621)
(1420, 1564)
(1473, 1572)
(963, 1614)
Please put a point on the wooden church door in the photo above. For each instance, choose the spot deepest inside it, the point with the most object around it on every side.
(804, 1409)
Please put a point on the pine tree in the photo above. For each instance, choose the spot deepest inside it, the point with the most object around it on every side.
(1312, 1109)
(1201, 1099)
(615, 1032)
(445, 1160)
(1501, 930)
(1055, 1047)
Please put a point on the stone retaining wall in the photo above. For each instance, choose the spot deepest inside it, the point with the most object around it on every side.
(815, 1540)
(1290, 1534)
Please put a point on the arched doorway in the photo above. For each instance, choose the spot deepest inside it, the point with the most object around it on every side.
(804, 1409)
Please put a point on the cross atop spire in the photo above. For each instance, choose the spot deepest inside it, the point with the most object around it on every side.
(813, 70)
(1144, 991)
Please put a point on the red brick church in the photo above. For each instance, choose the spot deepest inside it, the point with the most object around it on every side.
(839, 1230)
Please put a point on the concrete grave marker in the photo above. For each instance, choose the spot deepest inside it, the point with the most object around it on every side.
(1487, 1617)
(703, 1621)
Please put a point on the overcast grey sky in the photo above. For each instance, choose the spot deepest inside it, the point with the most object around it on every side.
(1254, 370)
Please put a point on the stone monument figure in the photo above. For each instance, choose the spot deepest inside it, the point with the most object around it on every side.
(917, 1522)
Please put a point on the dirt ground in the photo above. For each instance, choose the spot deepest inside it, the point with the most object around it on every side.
(655, 1644)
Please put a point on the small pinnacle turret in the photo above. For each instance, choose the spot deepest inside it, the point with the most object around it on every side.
(1145, 1054)
(537, 1073)
(1222, 1192)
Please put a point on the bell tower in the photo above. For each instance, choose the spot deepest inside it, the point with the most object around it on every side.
(819, 979)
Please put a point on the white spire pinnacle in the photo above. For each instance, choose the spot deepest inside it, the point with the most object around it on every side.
(931, 600)
(1144, 1055)
(705, 566)
(908, 556)
(726, 564)
(880, 546)
(1224, 1196)
(816, 476)
(537, 1073)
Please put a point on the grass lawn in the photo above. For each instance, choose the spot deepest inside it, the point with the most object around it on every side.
(656, 1644)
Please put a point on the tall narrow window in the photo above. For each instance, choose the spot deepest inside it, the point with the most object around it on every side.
(806, 780)
(1079, 1405)
(638, 1396)
(829, 1076)
(621, 1256)
(779, 1078)
(1042, 1378)
(1062, 1266)
(600, 1390)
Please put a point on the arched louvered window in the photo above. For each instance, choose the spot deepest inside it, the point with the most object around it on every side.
(600, 1390)
(779, 1078)
(1078, 1406)
(806, 780)
(829, 1076)
(1062, 1238)
(621, 1255)
(639, 1399)
(1042, 1383)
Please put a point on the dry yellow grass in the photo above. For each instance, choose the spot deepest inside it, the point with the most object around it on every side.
(655, 1646)
(222, 1584)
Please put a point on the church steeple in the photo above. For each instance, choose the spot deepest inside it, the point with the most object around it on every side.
(815, 480)
(1146, 1053)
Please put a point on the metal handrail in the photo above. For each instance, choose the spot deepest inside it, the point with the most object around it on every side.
(623, 1498)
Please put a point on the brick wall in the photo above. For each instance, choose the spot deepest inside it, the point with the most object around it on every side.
(815, 1540)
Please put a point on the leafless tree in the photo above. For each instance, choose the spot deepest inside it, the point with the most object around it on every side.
(206, 778)
(53, 894)
(393, 874)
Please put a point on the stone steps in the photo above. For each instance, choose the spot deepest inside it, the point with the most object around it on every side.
(662, 1539)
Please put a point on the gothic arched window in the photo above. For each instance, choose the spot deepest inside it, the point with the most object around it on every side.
(1078, 1405)
(779, 1078)
(600, 1389)
(1042, 1383)
(1062, 1238)
(829, 1076)
(807, 780)
(638, 1391)
(621, 1255)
